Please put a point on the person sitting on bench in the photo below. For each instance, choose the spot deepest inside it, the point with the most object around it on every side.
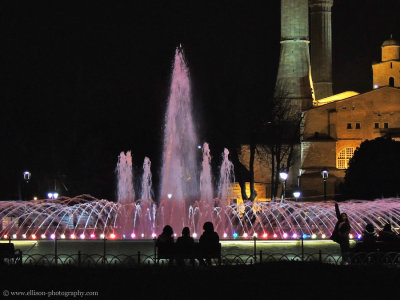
(165, 243)
(209, 242)
(185, 246)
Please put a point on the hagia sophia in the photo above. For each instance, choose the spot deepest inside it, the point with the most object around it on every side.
(333, 125)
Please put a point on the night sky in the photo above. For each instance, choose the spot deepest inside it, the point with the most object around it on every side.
(82, 81)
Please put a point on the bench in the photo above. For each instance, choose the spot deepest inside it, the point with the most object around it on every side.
(7, 251)
(199, 252)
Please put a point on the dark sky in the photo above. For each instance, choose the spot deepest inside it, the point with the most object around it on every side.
(82, 81)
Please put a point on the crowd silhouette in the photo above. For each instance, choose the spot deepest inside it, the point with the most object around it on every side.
(185, 247)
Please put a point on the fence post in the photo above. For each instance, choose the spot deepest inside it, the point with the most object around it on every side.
(55, 251)
(320, 256)
(260, 256)
(79, 258)
(255, 249)
(138, 257)
(104, 250)
(302, 248)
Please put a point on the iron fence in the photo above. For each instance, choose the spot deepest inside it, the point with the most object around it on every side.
(79, 259)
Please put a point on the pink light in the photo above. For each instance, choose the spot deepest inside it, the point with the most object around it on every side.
(294, 236)
(225, 235)
(43, 236)
(153, 235)
(24, 236)
(133, 235)
(351, 236)
(82, 236)
(92, 236)
(143, 235)
(53, 236)
(72, 236)
(112, 236)
(33, 236)
(285, 235)
(275, 235)
(102, 236)
(265, 235)
(5, 236)
(245, 235)
(194, 235)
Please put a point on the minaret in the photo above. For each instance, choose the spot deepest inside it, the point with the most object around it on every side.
(294, 79)
(321, 47)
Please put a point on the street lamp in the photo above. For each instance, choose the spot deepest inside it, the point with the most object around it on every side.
(325, 174)
(283, 175)
(27, 176)
(296, 195)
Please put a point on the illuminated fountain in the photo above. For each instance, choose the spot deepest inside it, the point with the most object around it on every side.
(187, 197)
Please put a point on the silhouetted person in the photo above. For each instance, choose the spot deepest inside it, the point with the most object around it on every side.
(341, 232)
(368, 240)
(208, 242)
(185, 246)
(391, 241)
(165, 243)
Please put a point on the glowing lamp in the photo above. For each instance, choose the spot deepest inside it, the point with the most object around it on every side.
(82, 236)
(294, 236)
(255, 234)
(72, 236)
(198, 146)
(24, 236)
(34, 198)
(53, 236)
(235, 235)
(351, 236)
(102, 236)
(275, 235)
(376, 86)
(153, 235)
(265, 235)
(194, 235)
(33, 236)
(175, 234)
(5, 236)
(43, 236)
(62, 236)
(92, 236)
(359, 236)
(14, 236)
(27, 176)
(169, 196)
(323, 236)
(123, 236)
(296, 194)
(143, 235)
(225, 235)
(245, 235)
(112, 236)
(283, 175)
(304, 236)
(314, 236)
(133, 235)
(325, 174)
(285, 235)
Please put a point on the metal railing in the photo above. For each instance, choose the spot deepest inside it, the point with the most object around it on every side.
(79, 259)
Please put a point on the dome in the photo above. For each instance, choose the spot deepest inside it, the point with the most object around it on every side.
(391, 42)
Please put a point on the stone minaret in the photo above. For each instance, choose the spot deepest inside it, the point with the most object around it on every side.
(294, 79)
(321, 47)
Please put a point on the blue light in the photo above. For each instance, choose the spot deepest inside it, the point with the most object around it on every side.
(305, 236)
(235, 235)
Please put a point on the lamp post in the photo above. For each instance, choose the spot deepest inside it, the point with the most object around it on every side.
(296, 195)
(325, 174)
(283, 176)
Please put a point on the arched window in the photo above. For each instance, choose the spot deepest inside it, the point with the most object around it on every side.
(344, 157)
(391, 81)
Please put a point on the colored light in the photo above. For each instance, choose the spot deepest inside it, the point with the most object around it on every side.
(112, 236)
(351, 236)
(245, 235)
(33, 236)
(313, 236)
(62, 236)
(72, 236)
(265, 235)
(174, 234)
(92, 236)
(102, 236)
(275, 235)
(24, 236)
(5, 236)
(53, 236)
(153, 235)
(133, 235)
(14, 236)
(285, 235)
(43, 236)
(359, 236)
(305, 236)
(82, 236)
(255, 234)
(225, 235)
(143, 235)
(323, 236)
(294, 236)
(195, 235)
(235, 235)
(169, 196)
